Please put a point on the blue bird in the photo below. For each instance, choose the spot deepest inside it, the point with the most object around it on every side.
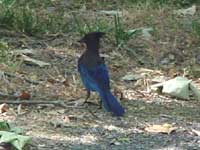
(94, 73)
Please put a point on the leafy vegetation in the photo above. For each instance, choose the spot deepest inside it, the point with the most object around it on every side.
(121, 34)
(82, 26)
(196, 27)
(34, 18)
(26, 17)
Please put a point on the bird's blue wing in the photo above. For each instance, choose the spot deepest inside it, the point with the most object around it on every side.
(95, 78)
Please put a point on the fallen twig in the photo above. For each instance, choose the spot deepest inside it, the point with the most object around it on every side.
(36, 102)
(22, 78)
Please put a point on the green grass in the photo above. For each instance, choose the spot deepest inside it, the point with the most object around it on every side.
(36, 18)
(32, 18)
(6, 56)
(122, 35)
(196, 27)
(83, 26)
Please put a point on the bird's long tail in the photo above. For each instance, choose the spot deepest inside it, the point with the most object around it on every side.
(111, 104)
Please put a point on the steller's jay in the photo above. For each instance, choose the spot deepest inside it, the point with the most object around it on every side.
(94, 73)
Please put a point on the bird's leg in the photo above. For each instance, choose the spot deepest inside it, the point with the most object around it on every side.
(87, 97)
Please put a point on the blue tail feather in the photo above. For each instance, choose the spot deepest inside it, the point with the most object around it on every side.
(110, 103)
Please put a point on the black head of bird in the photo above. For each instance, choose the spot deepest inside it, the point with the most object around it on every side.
(92, 36)
(92, 40)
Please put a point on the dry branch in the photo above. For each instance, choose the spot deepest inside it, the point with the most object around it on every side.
(37, 102)
(22, 78)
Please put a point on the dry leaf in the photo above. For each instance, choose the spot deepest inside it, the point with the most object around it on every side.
(52, 81)
(66, 82)
(114, 142)
(60, 122)
(195, 91)
(159, 79)
(4, 108)
(66, 119)
(131, 77)
(34, 61)
(196, 132)
(165, 128)
(177, 87)
(25, 95)
(111, 12)
(189, 11)
(19, 109)
(61, 111)
(23, 51)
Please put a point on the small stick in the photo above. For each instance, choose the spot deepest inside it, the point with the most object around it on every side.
(23, 78)
(55, 102)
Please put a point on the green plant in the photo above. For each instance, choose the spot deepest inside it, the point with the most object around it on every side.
(26, 20)
(6, 12)
(24, 16)
(121, 35)
(196, 27)
(6, 57)
(82, 26)
(15, 16)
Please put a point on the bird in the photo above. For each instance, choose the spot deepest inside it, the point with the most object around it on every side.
(94, 73)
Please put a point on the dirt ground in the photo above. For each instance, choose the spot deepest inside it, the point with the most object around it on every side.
(86, 127)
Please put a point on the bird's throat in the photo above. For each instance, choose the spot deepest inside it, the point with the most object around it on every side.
(93, 48)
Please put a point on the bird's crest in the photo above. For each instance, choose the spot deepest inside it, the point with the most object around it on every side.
(91, 36)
